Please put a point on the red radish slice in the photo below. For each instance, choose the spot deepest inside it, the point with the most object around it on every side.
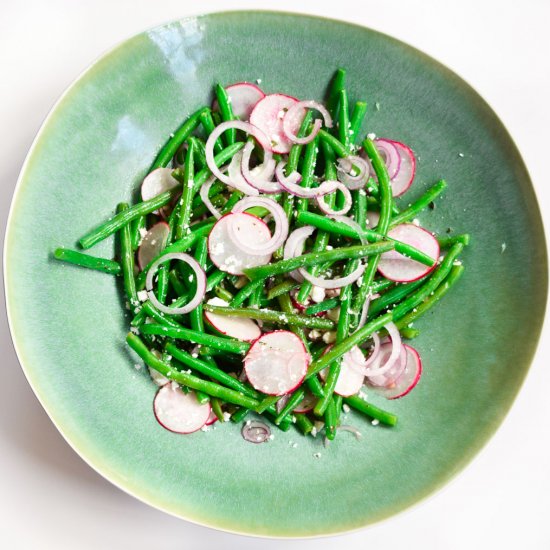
(179, 412)
(244, 97)
(211, 419)
(276, 362)
(226, 254)
(396, 267)
(236, 327)
(157, 182)
(404, 177)
(153, 243)
(408, 378)
(307, 403)
(350, 379)
(268, 115)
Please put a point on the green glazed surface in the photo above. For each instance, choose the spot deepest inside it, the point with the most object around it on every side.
(69, 324)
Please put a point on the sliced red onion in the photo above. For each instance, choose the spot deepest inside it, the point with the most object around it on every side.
(237, 178)
(255, 432)
(350, 429)
(376, 350)
(351, 223)
(281, 226)
(375, 369)
(290, 184)
(345, 168)
(289, 121)
(205, 189)
(218, 131)
(390, 154)
(347, 199)
(333, 283)
(364, 314)
(294, 246)
(261, 180)
(199, 274)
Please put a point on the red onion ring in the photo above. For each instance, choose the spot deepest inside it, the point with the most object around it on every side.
(262, 179)
(199, 274)
(290, 184)
(281, 225)
(376, 369)
(309, 104)
(237, 178)
(295, 243)
(345, 167)
(333, 283)
(205, 190)
(218, 131)
(389, 153)
(347, 199)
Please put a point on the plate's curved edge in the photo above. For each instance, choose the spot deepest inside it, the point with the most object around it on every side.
(105, 472)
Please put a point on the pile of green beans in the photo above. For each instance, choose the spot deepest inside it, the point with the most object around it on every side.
(190, 351)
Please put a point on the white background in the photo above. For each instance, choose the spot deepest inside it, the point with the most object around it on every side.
(51, 499)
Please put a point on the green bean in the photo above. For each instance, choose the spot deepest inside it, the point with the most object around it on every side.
(202, 397)
(195, 315)
(199, 152)
(180, 135)
(208, 124)
(233, 199)
(210, 388)
(224, 103)
(291, 404)
(397, 313)
(256, 297)
(430, 301)
(409, 333)
(266, 402)
(139, 318)
(216, 405)
(239, 415)
(303, 423)
(359, 112)
(342, 331)
(322, 237)
(183, 245)
(281, 288)
(308, 169)
(374, 190)
(291, 166)
(386, 202)
(325, 305)
(313, 258)
(429, 196)
(343, 120)
(136, 227)
(393, 296)
(286, 306)
(159, 316)
(123, 218)
(127, 260)
(186, 200)
(215, 190)
(337, 84)
(245, 292)
(334, 143)
(211, 371)
(229, 345)
(84, 260)
(330, 420)
(355, 402)
(215, 279)
(380, 285)
(447, 242)
(225, 295)
(176, 283)
(277, 317)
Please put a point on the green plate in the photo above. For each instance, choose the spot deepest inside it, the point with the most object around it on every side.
(69, 324)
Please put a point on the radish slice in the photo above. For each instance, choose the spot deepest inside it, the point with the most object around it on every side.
(350, 379)
(276, 363)
(211, 419)
(243, 97)
(396, 267)
(407, 379)
(268, 116)
(236, 327)
(179, 412)
(157, 182)
(227, 255)
(307, 403)
(390, 154)
(153, 243)
(404, 177)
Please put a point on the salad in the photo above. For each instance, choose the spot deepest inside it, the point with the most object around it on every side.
(269, 269)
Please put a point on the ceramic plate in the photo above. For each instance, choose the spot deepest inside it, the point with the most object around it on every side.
(69, 327)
